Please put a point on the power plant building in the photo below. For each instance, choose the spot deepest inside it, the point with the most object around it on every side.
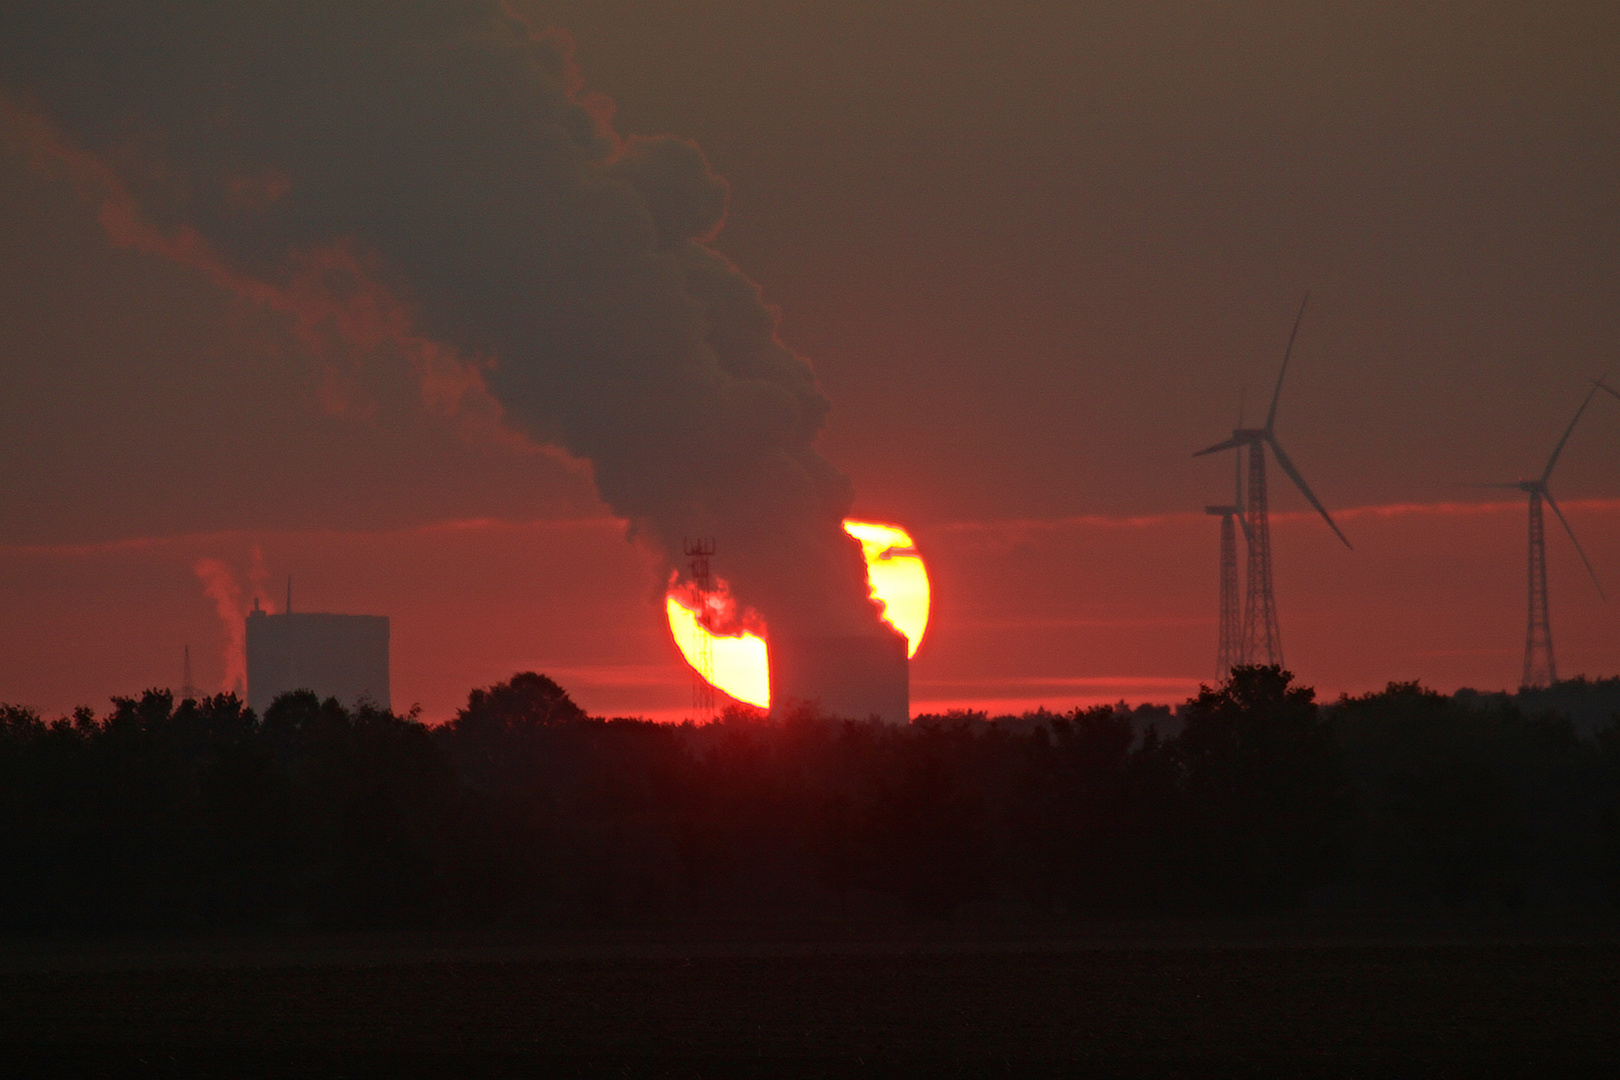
(339, 656)
(853, 677)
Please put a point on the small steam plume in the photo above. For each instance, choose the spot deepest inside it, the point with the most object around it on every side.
(429, 178)
(219, 582)
(231, 601)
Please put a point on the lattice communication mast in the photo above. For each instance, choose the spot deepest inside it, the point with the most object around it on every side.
(188, 689)
(703, 699)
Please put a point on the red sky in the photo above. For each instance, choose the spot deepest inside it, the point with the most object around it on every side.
(1033, 254)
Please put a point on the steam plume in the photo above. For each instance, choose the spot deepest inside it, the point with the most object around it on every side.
(433, 175)
(221, 586)
(231, 602)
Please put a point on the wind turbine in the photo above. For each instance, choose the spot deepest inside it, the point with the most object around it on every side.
(1539, 667)
(1229, 650)
(1262, 640)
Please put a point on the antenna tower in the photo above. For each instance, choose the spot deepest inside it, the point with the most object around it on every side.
(188, 690)
(1539, 667)
(703, 700)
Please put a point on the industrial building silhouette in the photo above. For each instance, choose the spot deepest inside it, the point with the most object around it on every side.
(856, 676)
(339, 656)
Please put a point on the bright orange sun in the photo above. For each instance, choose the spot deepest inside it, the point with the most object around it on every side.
(738, 662)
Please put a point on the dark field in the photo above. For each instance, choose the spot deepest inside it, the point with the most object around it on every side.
(1279, 1009)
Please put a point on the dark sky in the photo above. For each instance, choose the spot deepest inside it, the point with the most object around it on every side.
(1033, 252)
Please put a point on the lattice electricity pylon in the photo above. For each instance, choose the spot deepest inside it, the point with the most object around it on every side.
(703, 696)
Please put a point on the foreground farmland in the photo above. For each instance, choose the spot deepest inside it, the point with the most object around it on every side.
(1281, 1009)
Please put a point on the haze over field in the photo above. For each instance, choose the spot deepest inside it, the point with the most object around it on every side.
(1032, 254)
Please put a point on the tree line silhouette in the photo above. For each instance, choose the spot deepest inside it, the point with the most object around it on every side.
(523, 811)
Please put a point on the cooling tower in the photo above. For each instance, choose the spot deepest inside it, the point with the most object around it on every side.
(341, 656)
(852, 677)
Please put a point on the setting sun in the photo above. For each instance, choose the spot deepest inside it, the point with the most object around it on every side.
(899, 578)
(739, 662)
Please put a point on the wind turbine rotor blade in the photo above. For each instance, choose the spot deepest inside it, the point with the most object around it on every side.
(1601, 385)
(1565, 523)
(1292, 334)
(1229, 444)
(1559, 449)
(1304, 489)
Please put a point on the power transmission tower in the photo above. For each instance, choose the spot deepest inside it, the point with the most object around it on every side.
(703, 700)
(1540, 669)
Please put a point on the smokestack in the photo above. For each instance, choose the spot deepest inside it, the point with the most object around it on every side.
(434, 176)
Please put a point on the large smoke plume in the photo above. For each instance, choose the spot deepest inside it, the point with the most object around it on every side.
(436, 174)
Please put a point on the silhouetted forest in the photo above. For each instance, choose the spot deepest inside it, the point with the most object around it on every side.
(523, 811)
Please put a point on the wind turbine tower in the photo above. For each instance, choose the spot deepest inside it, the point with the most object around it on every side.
(1540, 668)
(1262, 639)
(1229, 651)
